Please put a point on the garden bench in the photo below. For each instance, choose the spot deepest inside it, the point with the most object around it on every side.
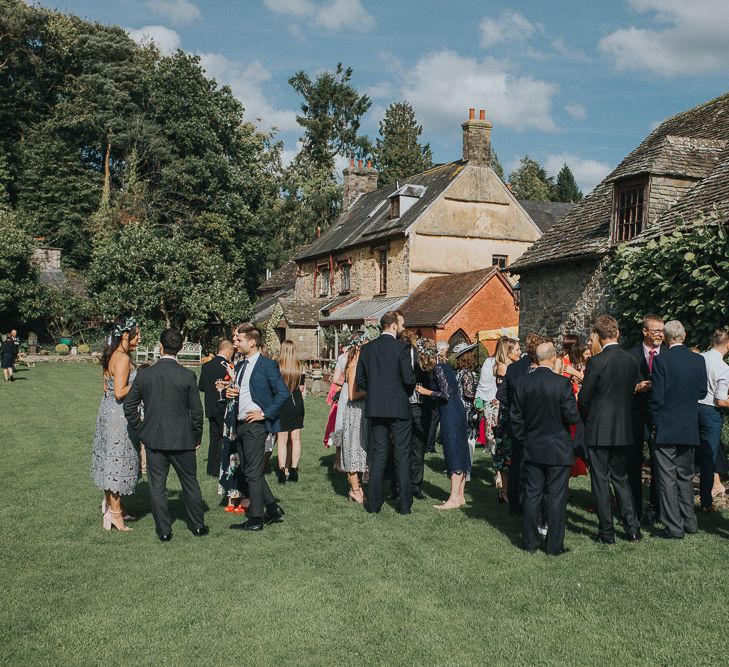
(191, 351)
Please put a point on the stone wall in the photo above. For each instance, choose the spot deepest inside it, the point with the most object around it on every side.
(665, 192)
(562, 298)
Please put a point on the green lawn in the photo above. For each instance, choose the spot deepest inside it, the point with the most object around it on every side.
(330, 585)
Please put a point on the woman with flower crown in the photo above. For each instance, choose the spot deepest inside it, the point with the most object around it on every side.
(115, 460)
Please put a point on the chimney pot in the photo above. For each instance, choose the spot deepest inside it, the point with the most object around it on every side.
(477, 139)
(482, 114)
(471, 114)
(359, 164)
(369, 164)
(351, 162)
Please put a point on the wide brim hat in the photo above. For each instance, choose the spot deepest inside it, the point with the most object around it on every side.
(462, 348)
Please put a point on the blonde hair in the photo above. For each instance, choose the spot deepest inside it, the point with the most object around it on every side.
(504, 347)
(289, 365)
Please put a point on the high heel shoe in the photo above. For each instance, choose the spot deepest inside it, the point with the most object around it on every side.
(356, 496)
(124, 528)
(106, 519)
(104, 506)
(503, 497)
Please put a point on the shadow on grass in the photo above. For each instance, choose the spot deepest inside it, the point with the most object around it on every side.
(337, 479)
(138, 504)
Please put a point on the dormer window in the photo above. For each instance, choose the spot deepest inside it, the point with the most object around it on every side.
(394, 207)
(630, 209)
(403, 198)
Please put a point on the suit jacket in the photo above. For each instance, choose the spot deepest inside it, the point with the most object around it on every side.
(541, 413)
(679, 383)
(514, 372)
(385, 372)
(641, 410)
(210, 372)
(173, 415)
(268, 390)
(606, 398)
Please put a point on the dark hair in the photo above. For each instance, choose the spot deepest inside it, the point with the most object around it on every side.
(388, 319)
(171, 340)
(114, 341)
(571, 345)
(466, 360)
(606, 326)
(251, 332)
(533, 340)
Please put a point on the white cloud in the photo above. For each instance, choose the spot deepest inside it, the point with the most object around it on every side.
(297, 33)
(691, 38)
(331, 15)
(176, 11)
(247, 85)
(588, 173)
(577, 111)
(166, 39)
(510, 26)
(443, 85)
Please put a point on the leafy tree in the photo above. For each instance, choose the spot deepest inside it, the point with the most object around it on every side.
(398, 153)
(22, 298)
(496, 164)
(530, 181)
(566, 188)
(681, 276)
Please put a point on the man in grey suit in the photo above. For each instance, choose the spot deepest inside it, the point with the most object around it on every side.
(171, 431)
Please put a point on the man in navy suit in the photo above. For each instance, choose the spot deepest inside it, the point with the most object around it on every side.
(261, 393)
(679, 383)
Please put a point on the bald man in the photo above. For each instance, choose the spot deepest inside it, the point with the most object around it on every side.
(212, 371)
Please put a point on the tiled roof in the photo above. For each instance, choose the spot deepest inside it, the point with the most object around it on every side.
(688, 144)
(299, 313)
(437, 299)
(365, 310)
(264, 307)
(545, 214)
(706, 199)
(369, 217)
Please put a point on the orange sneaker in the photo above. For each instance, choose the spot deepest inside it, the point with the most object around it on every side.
(240, 510)
(229, 508)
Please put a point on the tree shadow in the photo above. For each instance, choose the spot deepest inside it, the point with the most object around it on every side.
(338, 480)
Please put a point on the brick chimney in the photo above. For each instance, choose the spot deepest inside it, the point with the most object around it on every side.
(358, 180)
(477, 139)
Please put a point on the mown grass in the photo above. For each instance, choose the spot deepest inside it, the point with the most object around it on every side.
(330, 585)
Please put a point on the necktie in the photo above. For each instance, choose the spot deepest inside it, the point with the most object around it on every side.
(242, 372)
(651, 354)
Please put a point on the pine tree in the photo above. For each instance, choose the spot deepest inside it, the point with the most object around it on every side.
(496, 165)
(566, 188)
(398, 154)
(530, 181)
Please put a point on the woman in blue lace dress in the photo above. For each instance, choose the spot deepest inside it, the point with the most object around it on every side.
(452, 420)
(115, 459)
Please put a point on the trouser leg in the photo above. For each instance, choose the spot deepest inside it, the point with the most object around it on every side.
(600, 482)
(185, 465)
(558, 484)
(514, 491)
(251, 442)
(401, 435)
(215, 446)
(665, 457)
(685, 487)
(534, 481)
(634, 464)
(621, 487)
(158, 467)
(377, 460)
(421, 427)
(710, 423)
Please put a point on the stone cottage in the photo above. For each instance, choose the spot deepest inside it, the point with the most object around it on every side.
(677, 173)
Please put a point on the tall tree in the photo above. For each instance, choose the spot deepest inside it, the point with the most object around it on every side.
(566, 188)
(496, 164)
(530, 181)
(398, 153)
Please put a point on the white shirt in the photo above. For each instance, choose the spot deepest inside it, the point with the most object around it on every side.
(717, 373)
(486, 389)
(647, 352)
(245, 402)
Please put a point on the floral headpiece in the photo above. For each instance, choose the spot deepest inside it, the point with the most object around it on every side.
(128, 324)
(425, 346)
(359, 339)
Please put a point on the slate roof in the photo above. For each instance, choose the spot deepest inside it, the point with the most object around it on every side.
(300, 313)
(437, 299)
(264, 307)
(545, 214)
(366, 309)
(369, 217)
(688, 144)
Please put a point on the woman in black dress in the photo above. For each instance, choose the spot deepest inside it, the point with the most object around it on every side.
(8, 357)
(291, 416)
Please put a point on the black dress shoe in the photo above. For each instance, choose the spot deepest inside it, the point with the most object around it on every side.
(200, 532)
(293, 474)
(633, 536)
(251, 524)
(664, 534)
(166, 537)
(529, 551)
(605, 540)
(649, 519)
(559, 552)
(273, 514)
(281, 475)
(419, 495)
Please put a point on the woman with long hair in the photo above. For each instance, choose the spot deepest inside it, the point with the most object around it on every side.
(115, 460)
(353, 435)
(452, 419)
(508, 351)
(292, 413)
(573, 369)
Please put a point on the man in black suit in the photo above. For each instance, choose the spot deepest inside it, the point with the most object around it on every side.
(421, 410)
(171, 432)
(679, 383)
(212, 371)
(645, 354)
(541, 412)
(605, 403)
(505, 395)
(385, 372)
(260, 393)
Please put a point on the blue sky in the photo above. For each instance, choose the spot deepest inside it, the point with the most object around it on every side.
(582, 81)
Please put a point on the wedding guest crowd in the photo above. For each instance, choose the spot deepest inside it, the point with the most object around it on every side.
(545, 417)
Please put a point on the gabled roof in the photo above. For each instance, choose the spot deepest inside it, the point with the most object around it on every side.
(264, 307)
(437, 299)
(368, 219)
(300, 313)
(688, 144)
(364, 310)
(546, 213)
